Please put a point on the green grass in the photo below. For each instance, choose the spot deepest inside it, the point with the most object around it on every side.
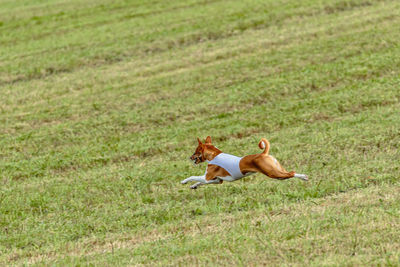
(102, 101)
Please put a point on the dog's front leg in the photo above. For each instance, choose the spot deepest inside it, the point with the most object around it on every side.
(201, 179)
(214, 181)
(195, 185)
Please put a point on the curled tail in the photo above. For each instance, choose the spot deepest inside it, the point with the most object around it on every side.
(264, 144)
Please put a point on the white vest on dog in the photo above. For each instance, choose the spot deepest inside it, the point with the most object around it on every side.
(230, 163)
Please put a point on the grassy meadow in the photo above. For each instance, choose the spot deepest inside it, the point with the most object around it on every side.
(101, 103)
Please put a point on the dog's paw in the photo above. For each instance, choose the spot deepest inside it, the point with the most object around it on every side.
(302, 177)
(183, 182)
(193, 187)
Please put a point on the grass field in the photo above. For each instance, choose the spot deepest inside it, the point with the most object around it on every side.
(102, 101)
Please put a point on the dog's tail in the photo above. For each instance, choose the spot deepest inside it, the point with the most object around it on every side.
(264, 144)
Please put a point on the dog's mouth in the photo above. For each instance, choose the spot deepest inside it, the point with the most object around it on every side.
(197, 160)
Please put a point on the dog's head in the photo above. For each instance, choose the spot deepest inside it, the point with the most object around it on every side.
(204, 151)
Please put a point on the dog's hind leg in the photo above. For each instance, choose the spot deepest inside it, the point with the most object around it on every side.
(303, 177)
(271, 168)
(280, 175)
(283, 174)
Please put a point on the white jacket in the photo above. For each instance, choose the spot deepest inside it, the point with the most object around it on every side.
(230, 163)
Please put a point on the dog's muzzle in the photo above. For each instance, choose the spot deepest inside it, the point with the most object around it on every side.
(196, 160)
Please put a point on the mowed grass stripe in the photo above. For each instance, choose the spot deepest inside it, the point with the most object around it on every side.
(65, 17)
(133, 93)
(128, 72)
(157, 26)
(100, 100)
(39, 70)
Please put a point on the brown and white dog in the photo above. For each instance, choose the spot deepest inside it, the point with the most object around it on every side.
(224, 167)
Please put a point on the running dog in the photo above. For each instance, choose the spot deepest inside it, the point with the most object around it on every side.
(224, 167)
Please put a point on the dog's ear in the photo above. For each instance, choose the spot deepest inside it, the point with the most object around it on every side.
(208, 140)
(198, 139)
